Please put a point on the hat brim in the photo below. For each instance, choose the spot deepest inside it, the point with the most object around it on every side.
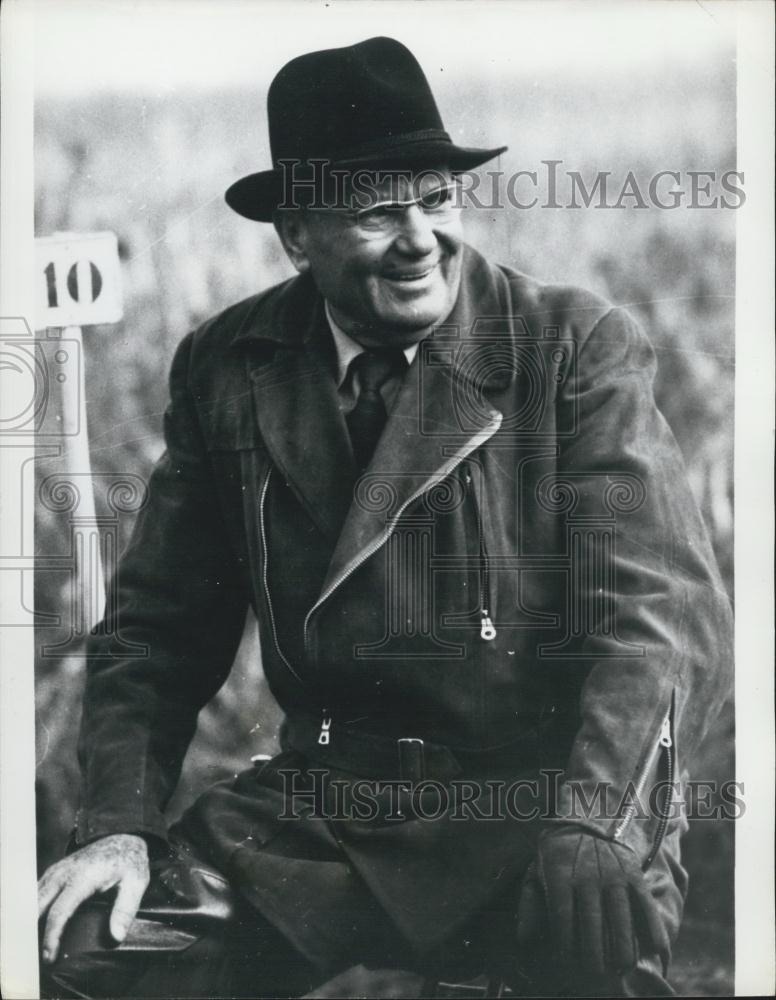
(258, 195)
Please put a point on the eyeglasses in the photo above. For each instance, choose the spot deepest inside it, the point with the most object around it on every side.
(440, 203)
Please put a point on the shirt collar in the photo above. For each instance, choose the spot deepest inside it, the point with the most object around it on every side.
(347, 348)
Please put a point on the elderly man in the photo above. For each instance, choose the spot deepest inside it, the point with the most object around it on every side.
(486, 603)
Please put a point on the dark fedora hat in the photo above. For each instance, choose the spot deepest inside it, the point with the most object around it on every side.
(365, 106)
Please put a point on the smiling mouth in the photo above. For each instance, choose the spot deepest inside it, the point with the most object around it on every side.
(413, 275)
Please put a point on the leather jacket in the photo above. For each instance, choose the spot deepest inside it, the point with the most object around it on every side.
(522, 563)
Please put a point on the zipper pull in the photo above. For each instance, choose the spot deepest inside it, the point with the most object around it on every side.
(665, 733)
(487, 628)
(324, 737)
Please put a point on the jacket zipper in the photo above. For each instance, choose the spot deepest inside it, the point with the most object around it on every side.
(487, 628)
(665, 744)
(383, 538)
(324, 736)
(263, 535)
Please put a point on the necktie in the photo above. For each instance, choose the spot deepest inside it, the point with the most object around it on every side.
(367, 418)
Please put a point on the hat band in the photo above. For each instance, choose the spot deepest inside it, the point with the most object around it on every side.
(383, 146)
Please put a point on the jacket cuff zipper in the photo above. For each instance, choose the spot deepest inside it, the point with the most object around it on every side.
(662, 748)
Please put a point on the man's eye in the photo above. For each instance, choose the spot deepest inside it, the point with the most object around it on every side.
(380, 213)
(438, 198)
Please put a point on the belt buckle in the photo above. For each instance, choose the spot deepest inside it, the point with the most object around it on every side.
(412, 764)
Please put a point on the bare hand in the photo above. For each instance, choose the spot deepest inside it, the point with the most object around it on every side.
(120, 859)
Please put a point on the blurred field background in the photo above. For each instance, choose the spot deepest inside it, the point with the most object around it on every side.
(152, 166)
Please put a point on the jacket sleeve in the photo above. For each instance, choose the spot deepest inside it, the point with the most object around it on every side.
(655, 647)
(175, 619)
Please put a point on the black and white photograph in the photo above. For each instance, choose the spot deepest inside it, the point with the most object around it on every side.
(387, 457)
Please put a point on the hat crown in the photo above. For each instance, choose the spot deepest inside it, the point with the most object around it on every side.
(339, 103)
(364, 106)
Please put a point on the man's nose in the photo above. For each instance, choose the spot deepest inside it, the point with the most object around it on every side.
(416, 234)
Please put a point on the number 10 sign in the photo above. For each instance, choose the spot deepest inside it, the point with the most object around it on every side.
(78, 280)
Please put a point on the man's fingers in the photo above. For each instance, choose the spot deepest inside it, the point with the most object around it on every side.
(49, 887)
(560, 909)
(61, 910)
(530, 911)
(590, 927)
(126, 904)
(653, 935)
(624, 952)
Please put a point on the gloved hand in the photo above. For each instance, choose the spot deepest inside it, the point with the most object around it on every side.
(588, 895)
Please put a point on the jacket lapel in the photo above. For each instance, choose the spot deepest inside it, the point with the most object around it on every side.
(297, 408)
(433, 425)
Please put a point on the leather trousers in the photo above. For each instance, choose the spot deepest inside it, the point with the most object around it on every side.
(194, 937)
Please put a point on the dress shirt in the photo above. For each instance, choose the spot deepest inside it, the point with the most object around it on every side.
(347, 382)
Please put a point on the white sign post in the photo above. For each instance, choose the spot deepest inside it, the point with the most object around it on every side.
(79, 284)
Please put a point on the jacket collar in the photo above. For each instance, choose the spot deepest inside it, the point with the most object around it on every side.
(441, 413)
(287, 315)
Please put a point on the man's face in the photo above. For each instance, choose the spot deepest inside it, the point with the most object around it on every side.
(390, 272)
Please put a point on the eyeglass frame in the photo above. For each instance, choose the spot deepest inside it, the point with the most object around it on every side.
(357, 215)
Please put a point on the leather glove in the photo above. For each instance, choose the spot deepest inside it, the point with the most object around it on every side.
(590, 898)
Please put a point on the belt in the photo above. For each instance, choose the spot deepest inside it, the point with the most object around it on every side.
(405, 758)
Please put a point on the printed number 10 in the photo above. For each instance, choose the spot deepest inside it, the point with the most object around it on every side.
(84, 283)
